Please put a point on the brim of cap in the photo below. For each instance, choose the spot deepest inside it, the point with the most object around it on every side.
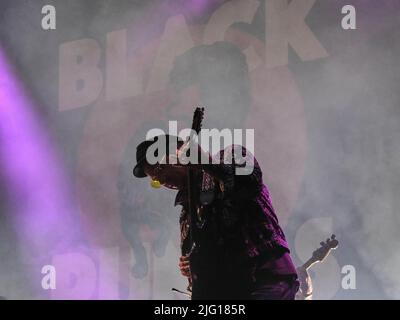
(138, 171)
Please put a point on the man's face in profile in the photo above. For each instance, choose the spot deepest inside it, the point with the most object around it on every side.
(169, 176)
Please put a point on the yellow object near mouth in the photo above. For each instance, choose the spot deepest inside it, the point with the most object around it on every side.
(155, 184)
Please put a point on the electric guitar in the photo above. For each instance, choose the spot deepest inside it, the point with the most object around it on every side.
(193, 196)
(192, 205)
(319, 255)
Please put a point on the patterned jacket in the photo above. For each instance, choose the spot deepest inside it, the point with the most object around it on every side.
(237, 215)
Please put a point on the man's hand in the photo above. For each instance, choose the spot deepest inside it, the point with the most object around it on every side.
(306, 287)
(202, 156)
(184, 266)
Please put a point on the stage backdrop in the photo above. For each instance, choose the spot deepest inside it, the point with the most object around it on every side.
(77, 96)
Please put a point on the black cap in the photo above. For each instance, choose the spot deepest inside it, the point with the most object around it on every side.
(141, 151)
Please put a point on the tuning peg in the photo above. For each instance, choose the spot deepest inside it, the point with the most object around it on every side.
(322, 243)
(327, 240)
(333, 237)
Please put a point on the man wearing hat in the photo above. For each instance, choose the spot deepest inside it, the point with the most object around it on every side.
(242, 252)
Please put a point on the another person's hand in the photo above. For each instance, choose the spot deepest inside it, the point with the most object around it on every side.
(184, 266)
(305, 282)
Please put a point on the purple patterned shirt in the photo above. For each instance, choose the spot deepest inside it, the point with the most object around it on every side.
(237, 211)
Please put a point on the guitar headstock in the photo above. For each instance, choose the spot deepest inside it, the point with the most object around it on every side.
(323, 251)
(198, 119)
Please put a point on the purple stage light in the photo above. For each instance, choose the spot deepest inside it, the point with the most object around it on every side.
(39, 192)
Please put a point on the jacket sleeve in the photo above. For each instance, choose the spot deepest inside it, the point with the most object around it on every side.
(237, 169)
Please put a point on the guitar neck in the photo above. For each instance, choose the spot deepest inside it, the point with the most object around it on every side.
(309, 263)
(322, 252)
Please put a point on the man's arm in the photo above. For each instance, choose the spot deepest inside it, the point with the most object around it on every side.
(306, 290)
(233, 167)
(237, 168)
